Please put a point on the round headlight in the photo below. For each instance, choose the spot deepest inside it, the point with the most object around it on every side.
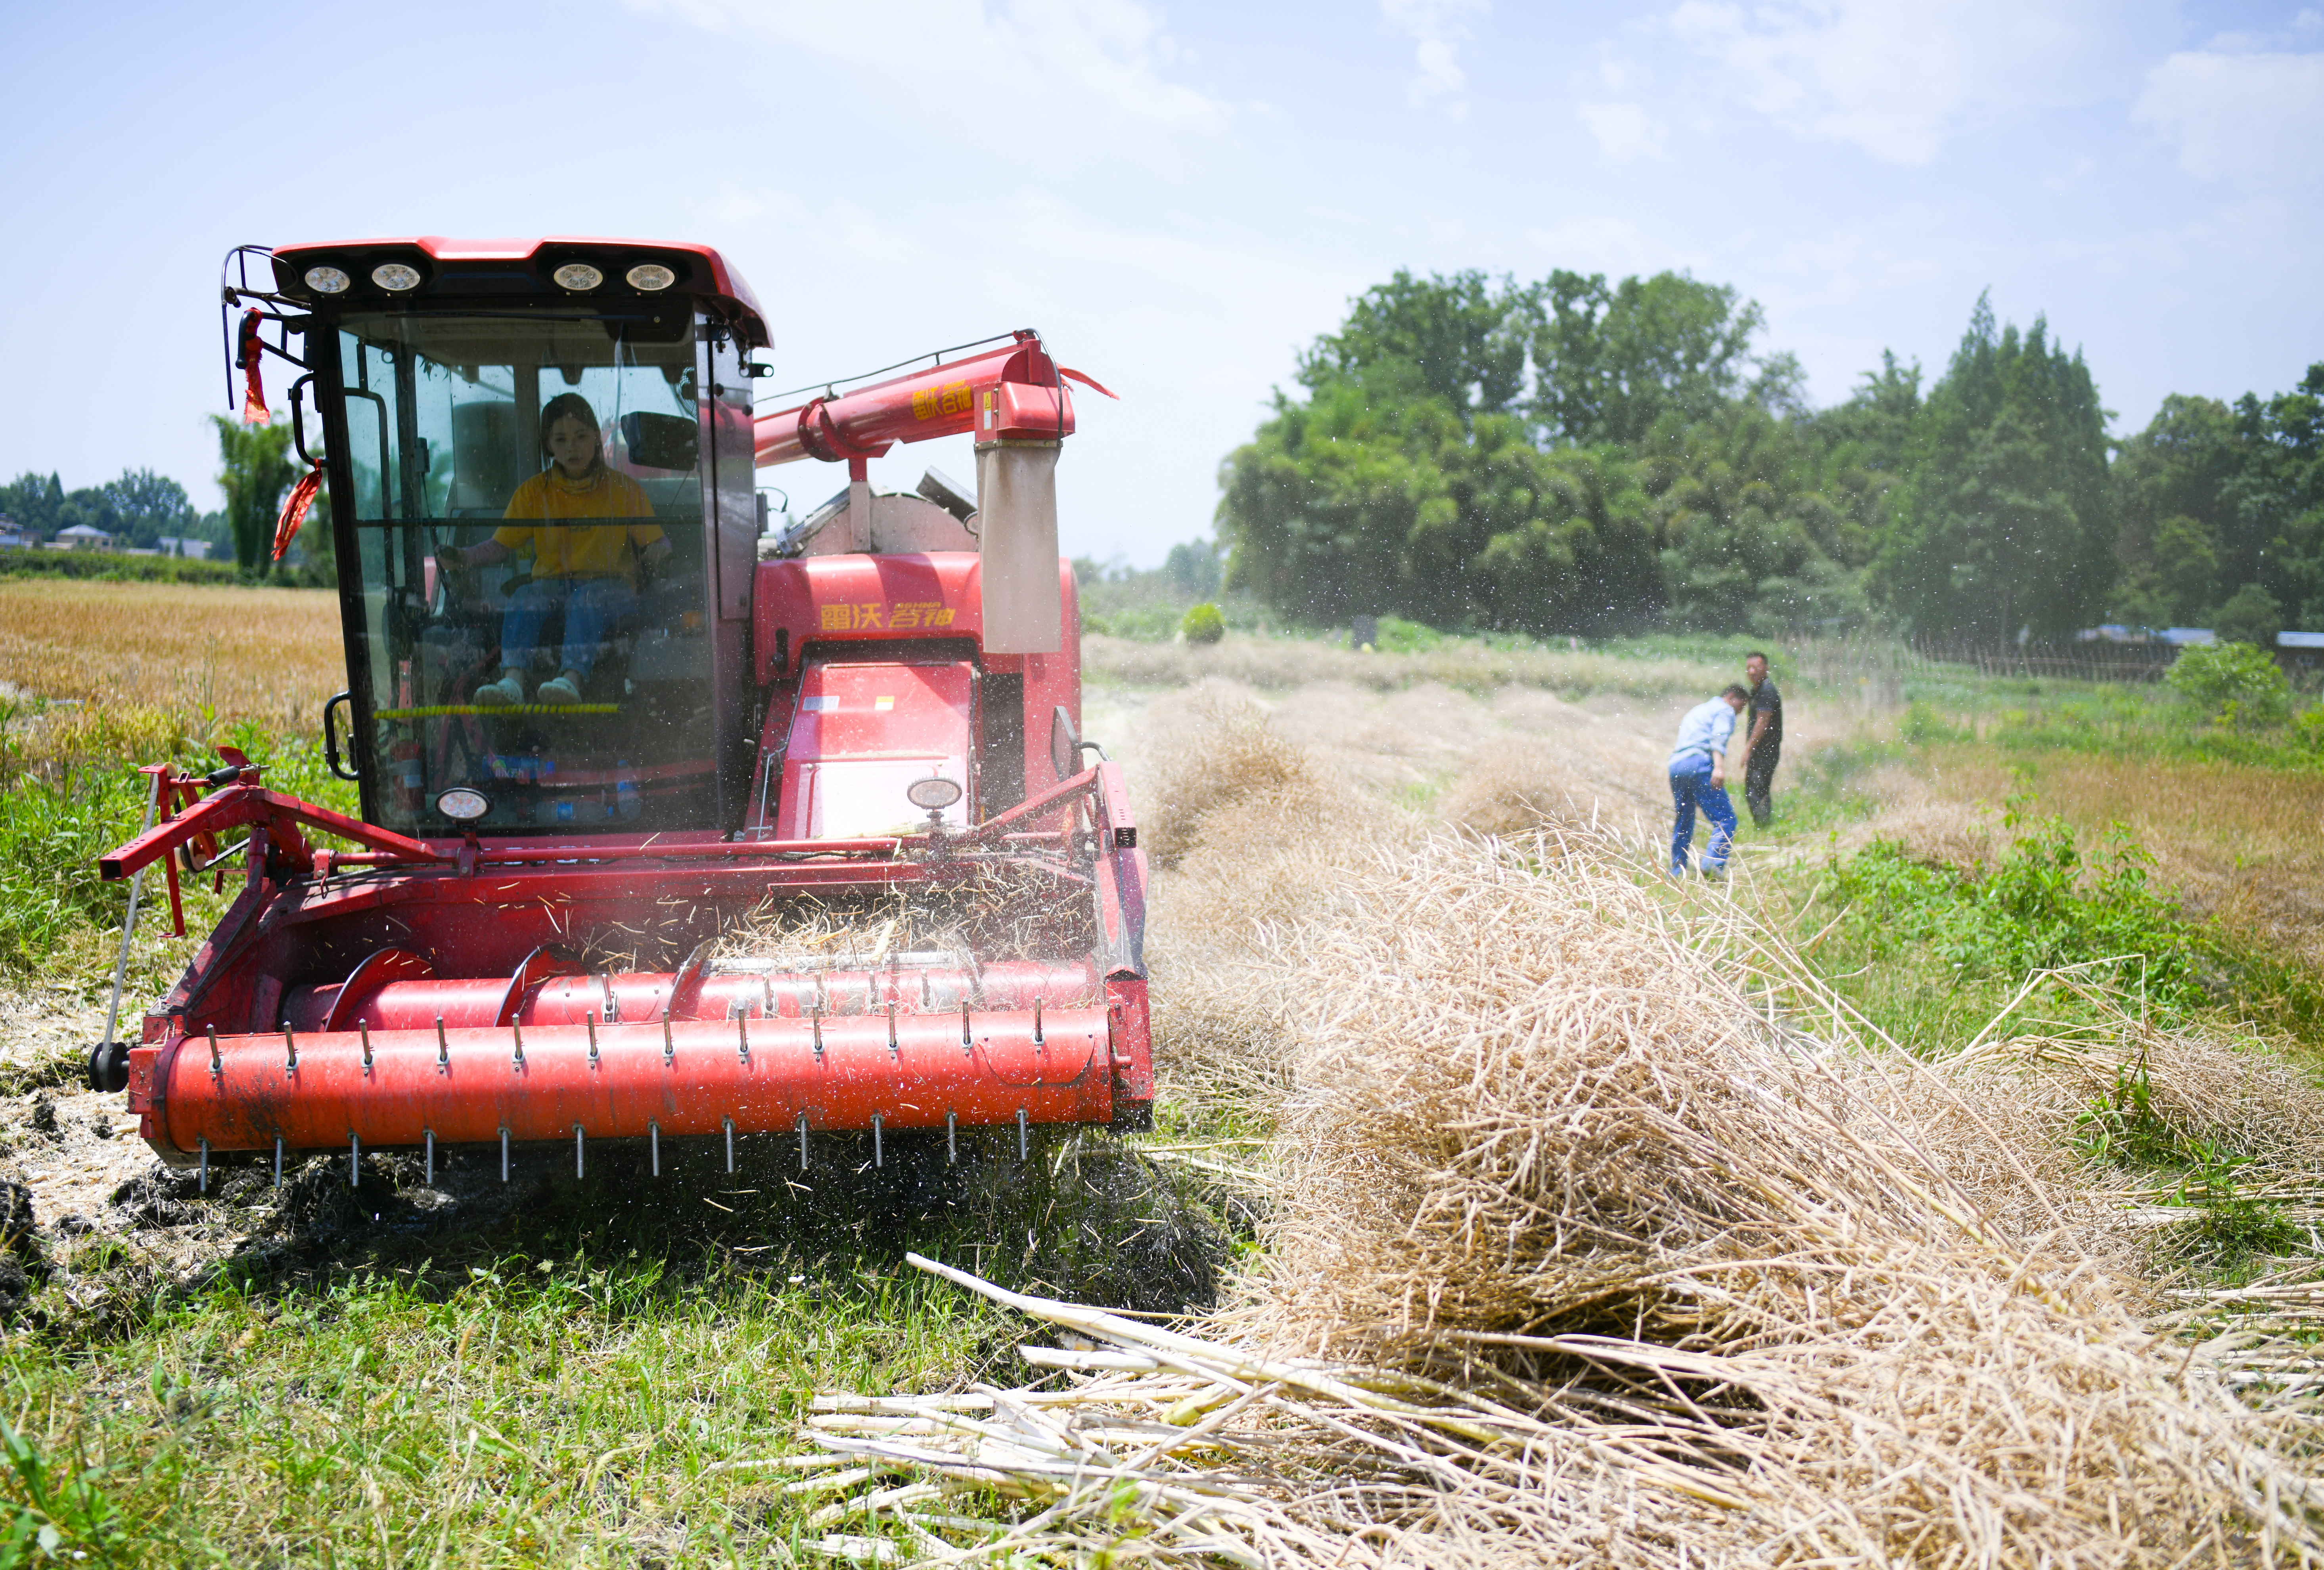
(462, 804)
(396, 276)
(578, 276)
(932, 795)
(651, 276)
(327, 280)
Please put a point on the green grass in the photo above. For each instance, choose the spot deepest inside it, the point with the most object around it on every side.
(545, 1406)
(2025, 718)
(56, 820)
(116, 568)
(1930, 952)
(562, 1371)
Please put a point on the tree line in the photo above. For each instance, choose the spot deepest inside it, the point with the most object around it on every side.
(1573, 456)
(141, 508)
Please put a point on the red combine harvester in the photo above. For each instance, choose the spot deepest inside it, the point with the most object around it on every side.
(601, 719)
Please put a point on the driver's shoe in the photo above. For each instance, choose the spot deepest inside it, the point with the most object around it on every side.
(558, 689)
(505, 693)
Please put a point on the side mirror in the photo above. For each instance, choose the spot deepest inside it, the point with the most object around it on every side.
(660, 442)
(1064, 745)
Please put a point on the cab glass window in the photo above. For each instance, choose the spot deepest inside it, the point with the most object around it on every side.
(529, 578)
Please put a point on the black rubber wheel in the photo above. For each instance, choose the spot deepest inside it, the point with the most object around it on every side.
(108, 1067)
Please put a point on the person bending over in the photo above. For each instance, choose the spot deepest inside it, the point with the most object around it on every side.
(591, 574)
(1697, 779)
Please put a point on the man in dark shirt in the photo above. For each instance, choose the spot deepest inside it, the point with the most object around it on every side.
(1765, 747)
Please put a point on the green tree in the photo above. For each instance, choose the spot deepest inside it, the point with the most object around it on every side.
(2250, 616)
(2233, 681)
(1747, 535)
(2004, 517)
(2178, 539)
(257, 470)
(33, 501)
(2277, 493)
(149, 506)
(1461, 341)
(1192, 568)
(1420, 478)
(1611, 362)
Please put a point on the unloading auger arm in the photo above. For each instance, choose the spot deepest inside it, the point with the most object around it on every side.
(1015, 393)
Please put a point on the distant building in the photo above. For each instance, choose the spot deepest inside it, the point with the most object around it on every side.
(2184, 637)
(15, 536)
(2299, 640)
(191, 550)
(81, 537)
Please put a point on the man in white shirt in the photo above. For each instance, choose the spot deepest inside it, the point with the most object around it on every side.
(1698, 778)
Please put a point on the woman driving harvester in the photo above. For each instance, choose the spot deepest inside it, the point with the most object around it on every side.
(590, 573)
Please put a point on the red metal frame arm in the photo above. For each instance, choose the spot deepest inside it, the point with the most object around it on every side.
(1032, 806)
(251, 806)
(1013, 393)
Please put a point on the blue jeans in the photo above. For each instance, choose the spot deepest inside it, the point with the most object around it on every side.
(1691, 788)
(591, 606)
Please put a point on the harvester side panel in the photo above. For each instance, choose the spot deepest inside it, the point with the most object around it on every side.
(862, 733)
(831, 602)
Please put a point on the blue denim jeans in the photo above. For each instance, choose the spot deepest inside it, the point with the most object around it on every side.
(1692, 788)
(591, 605)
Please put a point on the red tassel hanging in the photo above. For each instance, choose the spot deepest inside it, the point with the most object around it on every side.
(294, 508)
(254, 395)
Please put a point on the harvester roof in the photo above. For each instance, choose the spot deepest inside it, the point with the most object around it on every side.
(607, 269)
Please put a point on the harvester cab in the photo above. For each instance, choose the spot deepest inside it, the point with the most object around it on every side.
(673, 825)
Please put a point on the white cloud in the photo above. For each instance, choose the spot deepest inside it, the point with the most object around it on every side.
(1110, 54)
(2253, 119)
(1898, 80)
(1437, 29)
(1623, 131)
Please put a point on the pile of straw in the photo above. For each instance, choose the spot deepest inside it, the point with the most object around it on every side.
(994, 914)
(1605, 1232)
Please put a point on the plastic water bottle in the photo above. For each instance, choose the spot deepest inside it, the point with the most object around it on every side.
(625, 791)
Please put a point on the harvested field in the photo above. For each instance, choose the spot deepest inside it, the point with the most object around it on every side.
(1599, 1232)
(1279, 664)
(1553, 1214)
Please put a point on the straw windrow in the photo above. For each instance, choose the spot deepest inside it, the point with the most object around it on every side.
(1606, 1233)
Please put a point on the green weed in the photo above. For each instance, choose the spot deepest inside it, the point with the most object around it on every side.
(55, 1513)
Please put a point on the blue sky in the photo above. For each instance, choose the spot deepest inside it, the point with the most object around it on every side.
(1178, 194)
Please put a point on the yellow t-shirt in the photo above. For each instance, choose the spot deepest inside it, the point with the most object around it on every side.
(579, 552)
